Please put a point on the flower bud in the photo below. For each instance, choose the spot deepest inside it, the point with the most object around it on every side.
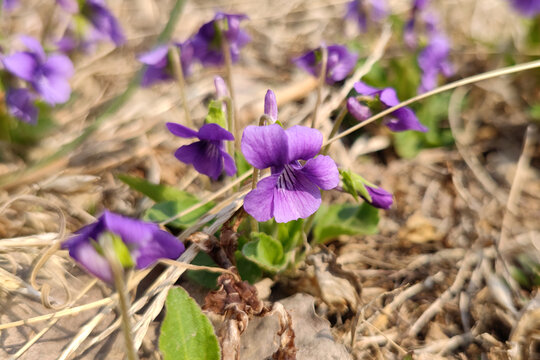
(270, 105)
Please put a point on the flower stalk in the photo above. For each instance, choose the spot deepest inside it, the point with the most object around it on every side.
(322, 80)
(120, 285)
(335, 128)
(231, 106)
(175, 57)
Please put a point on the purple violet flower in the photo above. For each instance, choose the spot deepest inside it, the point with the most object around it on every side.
(528, 8)
(85, 43)
(145, 241)
(103, 21)
(357, 11)
(207, 155)
(409, 34)
(433, 60)
(20, 104)
(359, 111)
(380, 198)
(208, 42)
(340, 62)
(48, 74)
(270, 105)
(401, 119)
(158, 63)
(292, 189)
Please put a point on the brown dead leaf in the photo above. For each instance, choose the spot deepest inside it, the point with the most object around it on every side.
(313, 337)
(418, 230)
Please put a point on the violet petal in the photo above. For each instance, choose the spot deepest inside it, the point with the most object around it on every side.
(322, 171)
(303, 142)
(259, 201)
(181, 130)
(265, 146)
(295, 196)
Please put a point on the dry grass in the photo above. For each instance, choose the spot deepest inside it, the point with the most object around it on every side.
(433, 279)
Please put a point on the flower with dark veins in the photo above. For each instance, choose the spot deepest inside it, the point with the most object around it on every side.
(20, 104)
(208, 155)
(527, 8)
(400, 120)
(158, 63)
(208, 42)
(358, 11)
(292, 191)
(103, 21)
(48, 75)
(380, 198)
(340, 62)
(146, 243)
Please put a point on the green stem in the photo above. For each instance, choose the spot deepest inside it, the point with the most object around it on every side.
(231, 108)
(123, 302)
(322, 79)
(230, 124)
(335, 129)
(175, 55)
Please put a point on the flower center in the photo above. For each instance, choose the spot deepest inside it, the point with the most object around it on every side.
(287, 178)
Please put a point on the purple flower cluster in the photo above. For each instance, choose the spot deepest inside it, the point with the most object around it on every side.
(358, 11)
(145, 241)
(339, 64)
(433, 58)
(158, 64)
(206, 46)
(528, 8)
(292, 190)
(208, 42)
(207, 155)
(47, 74)
(100, 25)
(400, 120)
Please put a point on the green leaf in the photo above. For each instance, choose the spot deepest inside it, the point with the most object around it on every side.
(433, 114)
(345, 219)
(408, 143)
(202, 277)
(265, 251)
(535, 112)
(247, 269)
(216, 115)
(290, 234)
(165, 210)
(186, 333)
(171, 201)
(23, 133)
(157, 192)
(242, 165)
